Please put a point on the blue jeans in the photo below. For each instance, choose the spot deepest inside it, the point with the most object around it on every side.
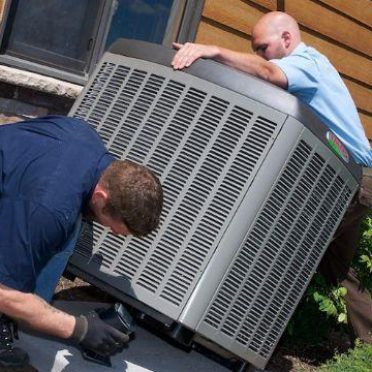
(48, 278)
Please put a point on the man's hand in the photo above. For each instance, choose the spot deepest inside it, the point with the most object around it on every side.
(190, 52)
(94, 334)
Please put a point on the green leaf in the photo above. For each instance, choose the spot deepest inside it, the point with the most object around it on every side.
(341, 318)
(342, 291)
(318, 297)
(328, 307)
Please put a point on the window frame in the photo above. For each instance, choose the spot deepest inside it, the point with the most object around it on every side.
(24, 64)
(182, 25)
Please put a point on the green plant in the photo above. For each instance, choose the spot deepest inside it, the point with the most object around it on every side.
(300, 330)
(358, 359)
(367, 261)
(362, 262)
(332, 302)
(323, 306)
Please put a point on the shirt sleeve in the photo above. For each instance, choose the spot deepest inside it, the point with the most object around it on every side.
(30, 236)
(302, 74)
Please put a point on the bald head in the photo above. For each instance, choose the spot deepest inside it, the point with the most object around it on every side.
(275, 35)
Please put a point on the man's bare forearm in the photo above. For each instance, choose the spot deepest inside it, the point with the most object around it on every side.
(36, 313)
(252, 64)
(255, 65)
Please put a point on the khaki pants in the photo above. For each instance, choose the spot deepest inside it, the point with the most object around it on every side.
(335, 267)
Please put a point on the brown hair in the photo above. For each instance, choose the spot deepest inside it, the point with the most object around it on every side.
(135, 195)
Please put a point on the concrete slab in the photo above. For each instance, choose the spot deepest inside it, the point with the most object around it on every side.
(146, 353)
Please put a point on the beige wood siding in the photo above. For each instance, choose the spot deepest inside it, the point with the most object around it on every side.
(2, 2)
(340, 29)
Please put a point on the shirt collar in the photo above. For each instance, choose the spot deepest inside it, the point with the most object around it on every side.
(300, 48)
(103, 163)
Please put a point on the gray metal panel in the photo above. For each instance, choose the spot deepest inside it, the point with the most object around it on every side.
(252, 199)
(205, 142)
(280, 253)
(235, 234)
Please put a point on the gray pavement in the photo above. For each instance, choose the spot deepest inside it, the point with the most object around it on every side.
(146, 353)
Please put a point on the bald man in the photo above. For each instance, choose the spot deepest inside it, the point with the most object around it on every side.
(284, 60)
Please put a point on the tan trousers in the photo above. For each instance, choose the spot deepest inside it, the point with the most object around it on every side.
(335, 267)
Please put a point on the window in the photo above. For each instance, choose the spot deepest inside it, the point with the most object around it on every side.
(61, 41)
(141, 19)
(65, 38)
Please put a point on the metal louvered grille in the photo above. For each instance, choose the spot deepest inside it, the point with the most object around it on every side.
(280, 253)
(206, 151)
(252, 197)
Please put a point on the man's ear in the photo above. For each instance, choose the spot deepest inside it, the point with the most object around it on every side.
(287, 39)
(99, 197)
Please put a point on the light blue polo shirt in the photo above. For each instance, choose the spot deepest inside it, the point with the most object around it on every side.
(313, 80)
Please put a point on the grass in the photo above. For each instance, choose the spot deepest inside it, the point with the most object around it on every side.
(358, 359)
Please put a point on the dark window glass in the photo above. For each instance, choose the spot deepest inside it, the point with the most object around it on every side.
(66, 38)
(140, 19)
(58, 33)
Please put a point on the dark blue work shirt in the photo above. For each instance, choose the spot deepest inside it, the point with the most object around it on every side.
(48, 168)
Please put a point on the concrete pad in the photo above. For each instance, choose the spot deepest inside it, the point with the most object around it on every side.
(146, 353)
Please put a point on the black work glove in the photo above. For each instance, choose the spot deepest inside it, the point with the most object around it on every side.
(94, 334)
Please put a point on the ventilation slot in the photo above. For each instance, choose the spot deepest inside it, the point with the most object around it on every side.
(199, 220)
(282, 249)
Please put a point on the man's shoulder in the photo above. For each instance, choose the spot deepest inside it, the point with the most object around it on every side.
(72, 130)
(56, 127)
(308, 52)
(66, 124)
(302, 57)
(303, 50)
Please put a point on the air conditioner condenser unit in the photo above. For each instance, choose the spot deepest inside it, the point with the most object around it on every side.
(254, 184)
